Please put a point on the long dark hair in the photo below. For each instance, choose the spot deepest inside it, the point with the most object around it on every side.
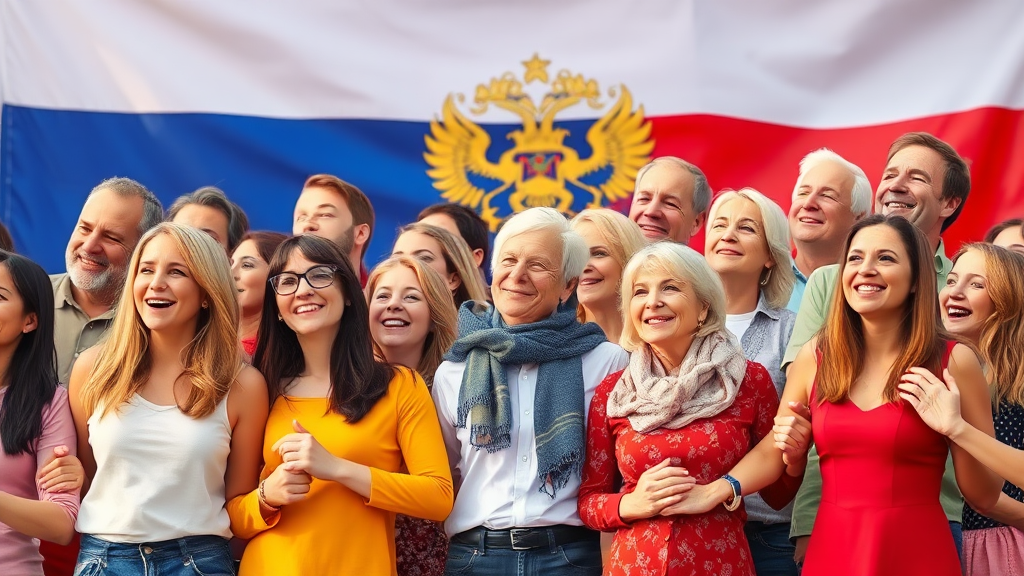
(32, 376)
(358, 379)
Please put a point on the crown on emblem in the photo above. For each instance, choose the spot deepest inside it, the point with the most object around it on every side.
(539, 168)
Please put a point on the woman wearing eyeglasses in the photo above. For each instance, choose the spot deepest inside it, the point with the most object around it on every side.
(341, 426)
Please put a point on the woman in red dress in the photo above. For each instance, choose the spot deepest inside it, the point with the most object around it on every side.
(881, 466)
(686, 410)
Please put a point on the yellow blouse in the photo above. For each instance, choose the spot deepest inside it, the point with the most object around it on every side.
(334, 530)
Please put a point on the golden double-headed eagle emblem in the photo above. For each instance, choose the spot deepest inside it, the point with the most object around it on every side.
(539, 168)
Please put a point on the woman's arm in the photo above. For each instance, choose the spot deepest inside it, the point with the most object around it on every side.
(1008, 511)
(425, 492)
(52, 516)
(779, 458)
(979, 485)
(80, 373)
(248, 406)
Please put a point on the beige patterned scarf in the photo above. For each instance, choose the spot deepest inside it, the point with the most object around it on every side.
(704, 384)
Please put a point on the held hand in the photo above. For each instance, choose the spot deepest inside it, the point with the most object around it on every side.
(62, 472)
(936, 401)
(701, 499)
(659, 486)
(283, 487)
(793, 434)
(302, 453)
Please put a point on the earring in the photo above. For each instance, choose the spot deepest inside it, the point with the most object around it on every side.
(700, 324)
(766, 277)
(280, 318)
(206, 305)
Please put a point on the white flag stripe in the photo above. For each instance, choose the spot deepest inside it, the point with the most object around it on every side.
(825, 64)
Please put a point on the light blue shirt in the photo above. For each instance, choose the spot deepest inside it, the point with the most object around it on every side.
(798, 290)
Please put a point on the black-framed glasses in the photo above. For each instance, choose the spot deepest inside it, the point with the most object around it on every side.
(287, 283)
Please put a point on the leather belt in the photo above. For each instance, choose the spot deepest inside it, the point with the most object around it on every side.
(526, 538)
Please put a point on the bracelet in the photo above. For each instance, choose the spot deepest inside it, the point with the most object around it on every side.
(737, 493)
(261, 496)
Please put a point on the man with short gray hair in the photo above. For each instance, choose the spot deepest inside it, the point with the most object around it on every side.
(116, 214)
(670, 200)
(831, 193)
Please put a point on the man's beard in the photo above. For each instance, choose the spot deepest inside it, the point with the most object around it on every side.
(106, 283)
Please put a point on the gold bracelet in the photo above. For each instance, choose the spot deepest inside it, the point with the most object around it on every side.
(261, 496)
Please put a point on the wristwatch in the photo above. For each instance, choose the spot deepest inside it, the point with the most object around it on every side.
(737, 493)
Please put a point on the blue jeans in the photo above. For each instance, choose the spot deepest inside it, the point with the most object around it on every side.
(190, 556)
(771, 549)
(574, 559)
(958, 538)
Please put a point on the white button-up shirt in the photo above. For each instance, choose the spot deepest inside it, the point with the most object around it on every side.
(501, 490)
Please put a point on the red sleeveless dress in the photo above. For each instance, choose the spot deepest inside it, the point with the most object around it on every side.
(881, 471)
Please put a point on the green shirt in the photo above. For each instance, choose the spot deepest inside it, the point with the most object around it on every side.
(73, 330)
(810, 318)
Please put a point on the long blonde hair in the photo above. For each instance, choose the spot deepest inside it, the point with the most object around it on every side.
(622, 235)
(442, 311)
(458, 258)
(211, 360)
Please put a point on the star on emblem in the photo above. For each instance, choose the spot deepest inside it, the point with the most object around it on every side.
(536, 69)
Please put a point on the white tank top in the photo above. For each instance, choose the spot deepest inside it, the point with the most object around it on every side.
(159, 474)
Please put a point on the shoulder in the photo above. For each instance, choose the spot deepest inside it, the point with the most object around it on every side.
(86, 361)
(607, 356)
(823, 275)
(609, 382)
(57, 279)
(405, 378)
(757, 376)
(963, 358)
(249, 381)
(58, 404)
(448, 376)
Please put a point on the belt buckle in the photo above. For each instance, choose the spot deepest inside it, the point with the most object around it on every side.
(515, 533)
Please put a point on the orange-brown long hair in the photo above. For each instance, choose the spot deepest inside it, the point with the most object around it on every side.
(1001, 345)
(841, 339)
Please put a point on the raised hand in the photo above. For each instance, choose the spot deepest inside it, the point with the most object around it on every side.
(937, 402)
(301, 452)
(659, 486)
(792, 434)
(62, 472)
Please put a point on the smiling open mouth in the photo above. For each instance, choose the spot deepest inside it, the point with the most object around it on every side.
(957, 312)
(157, 303)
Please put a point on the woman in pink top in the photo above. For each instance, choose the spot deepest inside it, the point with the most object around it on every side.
(35, 420)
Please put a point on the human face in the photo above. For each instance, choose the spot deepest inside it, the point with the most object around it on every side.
(1010, 238)
(324, 213)
(311, 310)
(167, 296)
(427, 250)
(663, 204)
(877, 274)
(966, 304)
(599, 283)
(911, 187)
(250, 273)
(445, 222)
(206, 218)
(528, 282)
(665, 313)
(399, 313)
(14, 322)
(735, 245)
(820, 211)
(102, 243)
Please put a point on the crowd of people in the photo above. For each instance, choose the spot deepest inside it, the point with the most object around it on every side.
(821, 392)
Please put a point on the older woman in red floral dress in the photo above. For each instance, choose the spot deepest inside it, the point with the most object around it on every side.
(685, 411)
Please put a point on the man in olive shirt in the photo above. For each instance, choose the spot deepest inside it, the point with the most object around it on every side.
(116, 214)
(927, 182)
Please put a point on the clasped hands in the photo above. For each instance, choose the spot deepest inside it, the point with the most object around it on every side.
(302, 459)
(667, 489)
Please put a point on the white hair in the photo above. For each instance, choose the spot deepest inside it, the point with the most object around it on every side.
(860, 195)
(575, 253)
(677, 262)
(780, 283)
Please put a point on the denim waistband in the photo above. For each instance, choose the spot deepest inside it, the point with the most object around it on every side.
(156, 550)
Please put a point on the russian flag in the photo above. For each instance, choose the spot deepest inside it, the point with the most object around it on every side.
(499, 105)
